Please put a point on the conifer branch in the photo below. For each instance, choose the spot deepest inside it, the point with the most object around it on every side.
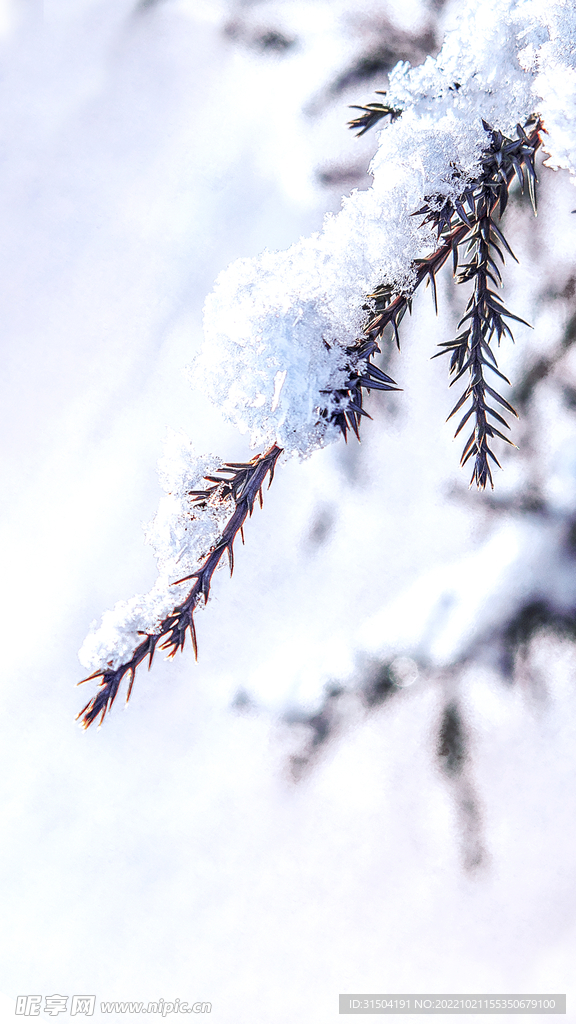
(241, 481)
(468, 220)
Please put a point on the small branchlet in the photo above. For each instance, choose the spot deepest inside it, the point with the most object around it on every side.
(243, 482)
(471, 221)
(372, 114)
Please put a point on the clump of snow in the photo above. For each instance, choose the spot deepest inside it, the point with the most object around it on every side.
(276, 314)
(181, 535)
(555, 84)
(277, 345)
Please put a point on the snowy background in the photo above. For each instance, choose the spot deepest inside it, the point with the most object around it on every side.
(366, 784)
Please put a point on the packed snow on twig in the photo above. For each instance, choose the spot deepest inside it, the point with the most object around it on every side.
(181, 535)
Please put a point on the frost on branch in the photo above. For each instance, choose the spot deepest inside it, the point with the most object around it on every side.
(221, 506)
(181, 535)
(291, 337)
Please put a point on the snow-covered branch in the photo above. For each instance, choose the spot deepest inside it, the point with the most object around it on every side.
(291, 337)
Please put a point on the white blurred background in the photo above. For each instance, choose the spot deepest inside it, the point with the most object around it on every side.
(367, 781)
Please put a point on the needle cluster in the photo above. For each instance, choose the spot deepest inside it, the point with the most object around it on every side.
(372, 113)
(347, 401)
